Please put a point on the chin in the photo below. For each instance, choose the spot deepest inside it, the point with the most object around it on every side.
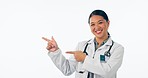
(100, 35)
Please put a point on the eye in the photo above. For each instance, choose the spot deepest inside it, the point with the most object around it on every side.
(100, 22)
(92, 25)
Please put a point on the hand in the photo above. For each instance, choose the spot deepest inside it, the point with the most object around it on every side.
(52, 45)
(79, 55)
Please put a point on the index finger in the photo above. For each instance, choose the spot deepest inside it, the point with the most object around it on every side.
(70, 52)
(46, 39)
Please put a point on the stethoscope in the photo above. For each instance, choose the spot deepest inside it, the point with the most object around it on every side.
(107, 53)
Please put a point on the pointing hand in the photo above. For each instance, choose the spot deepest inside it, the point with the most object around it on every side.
(52, 45)
(79, 55)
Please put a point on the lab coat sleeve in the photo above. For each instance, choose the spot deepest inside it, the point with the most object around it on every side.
(107, 69)
(67, 67)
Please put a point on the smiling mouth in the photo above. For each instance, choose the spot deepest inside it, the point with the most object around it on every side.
(98, 31)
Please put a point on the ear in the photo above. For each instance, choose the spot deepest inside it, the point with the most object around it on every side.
(108, 22)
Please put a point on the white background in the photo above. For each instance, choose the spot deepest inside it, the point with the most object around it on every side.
(23, 53)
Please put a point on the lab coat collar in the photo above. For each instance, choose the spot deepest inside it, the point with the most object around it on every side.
(108, 43)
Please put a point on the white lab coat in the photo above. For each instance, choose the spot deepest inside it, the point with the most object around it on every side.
(106, 69)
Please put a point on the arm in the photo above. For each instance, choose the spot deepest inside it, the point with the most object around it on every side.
(67, 67)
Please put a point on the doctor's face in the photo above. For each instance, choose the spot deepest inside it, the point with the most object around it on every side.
(99, 26)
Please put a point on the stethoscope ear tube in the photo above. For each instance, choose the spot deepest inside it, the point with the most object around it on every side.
(85, 49)
(107, 53)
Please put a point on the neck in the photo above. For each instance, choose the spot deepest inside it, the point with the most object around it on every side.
(100, 40)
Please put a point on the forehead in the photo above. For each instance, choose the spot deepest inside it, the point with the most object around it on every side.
(96, 18)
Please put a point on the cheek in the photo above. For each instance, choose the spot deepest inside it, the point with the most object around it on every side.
(105, 27)
(92, 28)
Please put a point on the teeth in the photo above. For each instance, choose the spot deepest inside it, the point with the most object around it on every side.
(98, 31)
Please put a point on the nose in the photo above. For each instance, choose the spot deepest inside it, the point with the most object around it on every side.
(97, 26)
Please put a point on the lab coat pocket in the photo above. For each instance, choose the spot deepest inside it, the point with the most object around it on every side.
(80, 73)
(103, 58)
(79, 68)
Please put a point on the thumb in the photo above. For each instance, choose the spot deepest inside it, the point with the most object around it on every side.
(52, 38)
(54, 42)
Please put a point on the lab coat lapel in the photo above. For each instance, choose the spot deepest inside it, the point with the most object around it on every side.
(108, 43)
(91, 47)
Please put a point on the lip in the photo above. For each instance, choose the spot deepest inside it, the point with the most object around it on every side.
(98, 31)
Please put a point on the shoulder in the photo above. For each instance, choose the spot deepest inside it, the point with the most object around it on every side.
(82, 44)
(118, 48)
(116, 44)
(86, 41)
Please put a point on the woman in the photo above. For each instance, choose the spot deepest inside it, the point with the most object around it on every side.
(99, 57)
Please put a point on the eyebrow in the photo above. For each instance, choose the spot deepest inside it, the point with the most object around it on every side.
(97, 21)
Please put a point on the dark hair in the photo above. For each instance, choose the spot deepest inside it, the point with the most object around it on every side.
(100, 13)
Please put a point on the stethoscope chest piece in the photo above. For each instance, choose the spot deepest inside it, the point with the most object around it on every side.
(107, 53)
(104, 56)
